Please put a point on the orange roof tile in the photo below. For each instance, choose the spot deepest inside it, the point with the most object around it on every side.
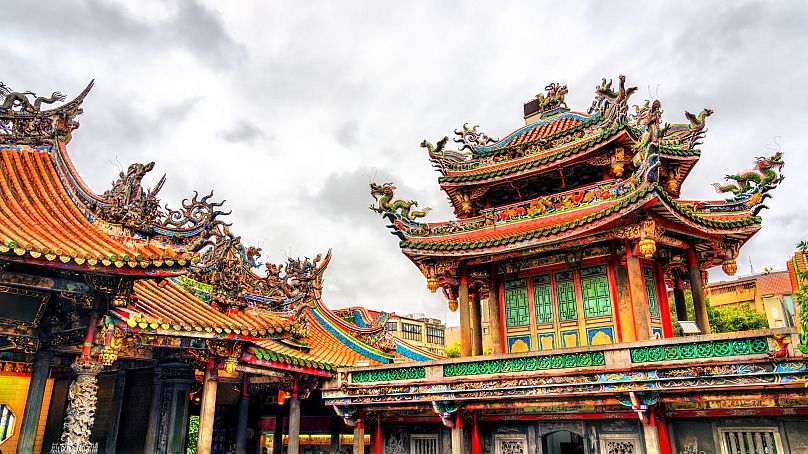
(43, 223)
(322, 345)
(775, 283)
(174, 309)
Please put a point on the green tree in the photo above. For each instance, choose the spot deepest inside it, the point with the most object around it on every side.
(735, 318)
(723, 319)
(453, 350)
(801, 295)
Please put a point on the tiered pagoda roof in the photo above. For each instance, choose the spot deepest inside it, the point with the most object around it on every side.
(568, 179)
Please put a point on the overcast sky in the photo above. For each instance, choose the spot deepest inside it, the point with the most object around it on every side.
(287, 109)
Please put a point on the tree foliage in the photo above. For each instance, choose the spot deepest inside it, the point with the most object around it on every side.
(801, 296)
(728, 319)
(735, 318)
(453, 350)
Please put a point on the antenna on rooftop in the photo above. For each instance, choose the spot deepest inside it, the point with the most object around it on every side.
(751, 267)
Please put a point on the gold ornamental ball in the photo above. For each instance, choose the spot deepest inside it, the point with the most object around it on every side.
(452, 305)
(730, 267)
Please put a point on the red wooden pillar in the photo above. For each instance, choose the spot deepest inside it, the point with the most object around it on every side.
(476, 446)
(662, 429)
(378, 444)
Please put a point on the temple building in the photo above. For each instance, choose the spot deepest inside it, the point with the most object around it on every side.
(130, 328)
(568, 232)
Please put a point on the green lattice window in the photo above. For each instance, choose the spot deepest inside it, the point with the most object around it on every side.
(595, 291)
(565, 297)
(543, 299)
(650, 291)
(516, 312)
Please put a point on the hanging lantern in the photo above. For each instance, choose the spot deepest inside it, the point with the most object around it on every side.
(453, 305)
(432, 284)
(230, 364)
(730, 267)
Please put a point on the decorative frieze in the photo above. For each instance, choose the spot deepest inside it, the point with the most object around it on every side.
(709, 349)
(404, 373)
(499, 366)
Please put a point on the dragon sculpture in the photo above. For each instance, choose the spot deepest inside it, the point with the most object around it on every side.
(23, 122)
(128, 204)
(386, 206)
(442, 159)
(19, 100)
(752, 187)
(554, 97)
(229, 267)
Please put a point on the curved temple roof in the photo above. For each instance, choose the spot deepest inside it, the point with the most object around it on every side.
(50, 217)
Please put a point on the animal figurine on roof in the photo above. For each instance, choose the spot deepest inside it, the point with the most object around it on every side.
(383, 194)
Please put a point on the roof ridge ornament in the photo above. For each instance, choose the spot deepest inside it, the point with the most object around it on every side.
(471, 138)
(612, 105)
(442, 159)
(553, 102)
(394, 209)
(23, 122)
(128, 204)
(751, 188)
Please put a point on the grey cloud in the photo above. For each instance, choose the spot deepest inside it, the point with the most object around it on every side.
(243, 131)
(347, 87)
(100, 24)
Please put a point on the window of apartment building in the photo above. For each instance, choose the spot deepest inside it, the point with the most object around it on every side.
(434, 335)
(411, 331)
(392, 326)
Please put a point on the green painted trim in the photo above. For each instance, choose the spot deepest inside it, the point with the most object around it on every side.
(403, 373)
(499, 366)
(698, 350)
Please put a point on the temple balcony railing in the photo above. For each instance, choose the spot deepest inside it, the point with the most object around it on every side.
(780, 344)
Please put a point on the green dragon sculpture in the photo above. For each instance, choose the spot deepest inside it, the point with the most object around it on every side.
(383, 194)
(765, 174)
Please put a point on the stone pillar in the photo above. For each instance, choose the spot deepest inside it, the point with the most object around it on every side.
(243, 414)
(696, 288)
(154, 413)
(465, 325)
(651, 436)
(679, 299)
(117, 404)
(639, 299)
(80, 414)
(33, 403)
(294, 425)
(494, 326)
(207, 411)
(476, 324)
(457, 435)
(277, 437)
(359, 438)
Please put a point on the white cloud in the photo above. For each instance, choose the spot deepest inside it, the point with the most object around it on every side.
(284, 108)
